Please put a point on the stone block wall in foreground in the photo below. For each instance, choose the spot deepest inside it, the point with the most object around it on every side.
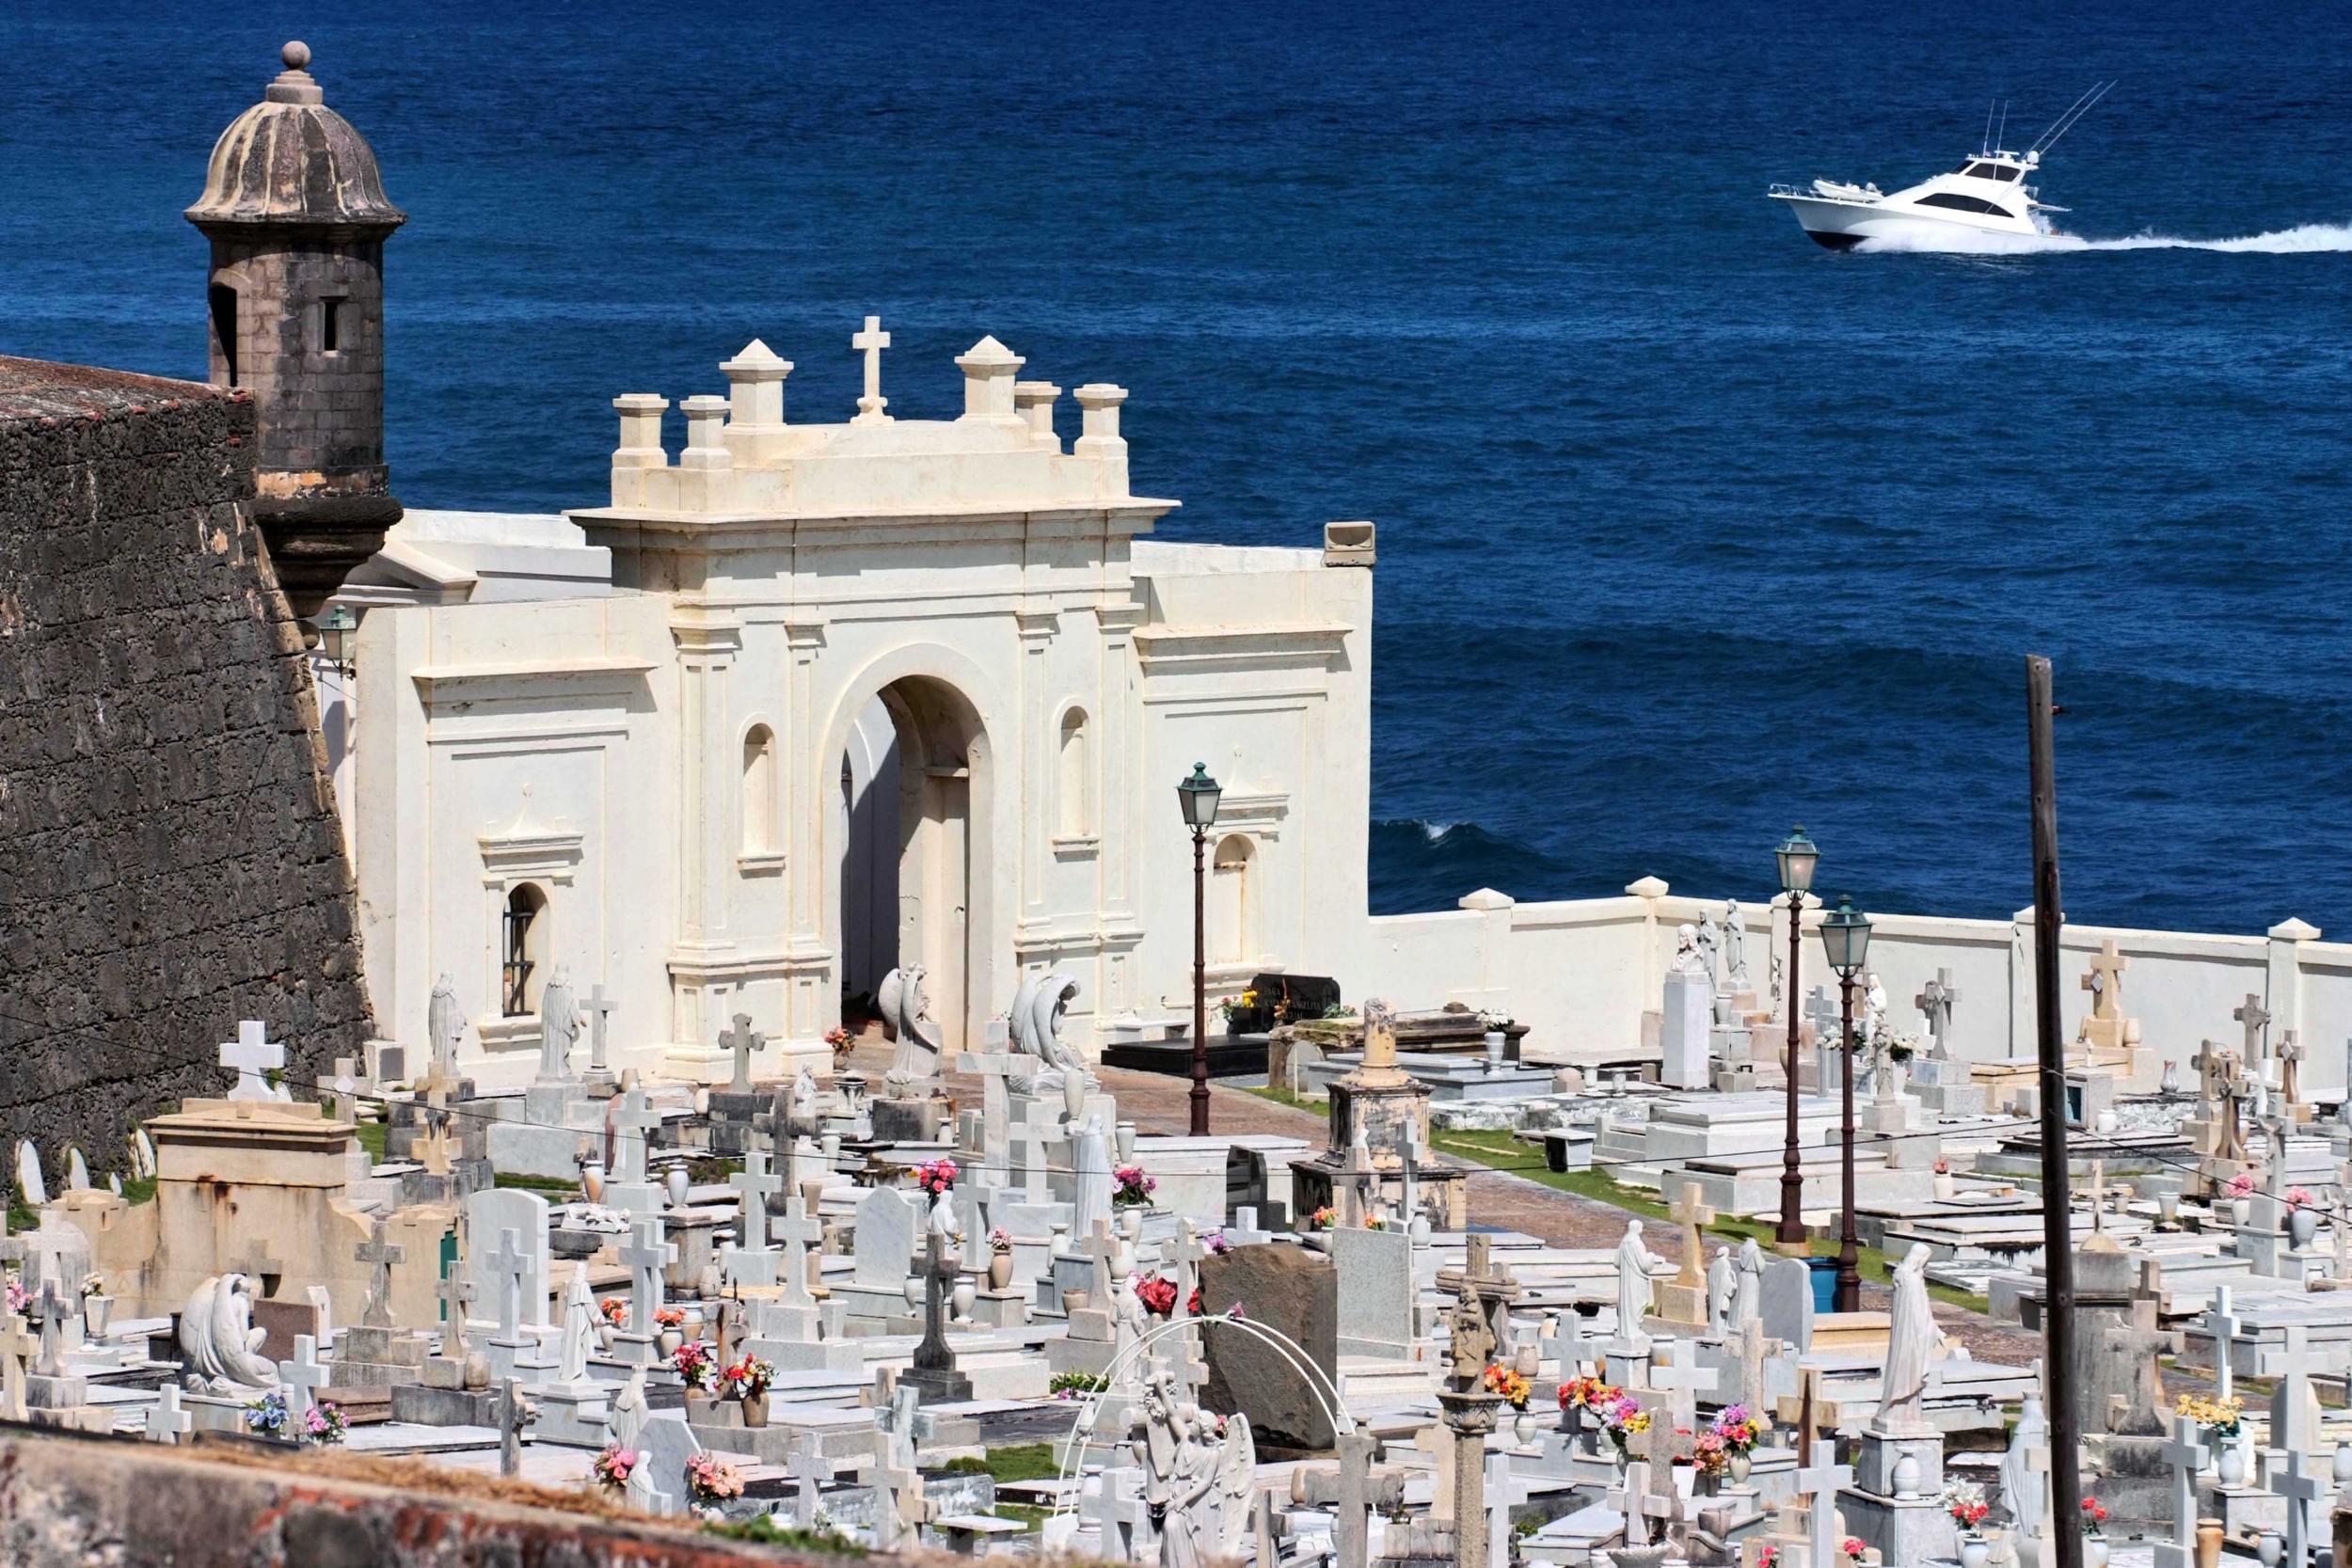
(171, 860)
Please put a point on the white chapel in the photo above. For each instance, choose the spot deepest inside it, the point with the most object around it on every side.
(804, 701)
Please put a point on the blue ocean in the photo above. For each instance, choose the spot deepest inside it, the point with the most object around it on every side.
(1689, 531)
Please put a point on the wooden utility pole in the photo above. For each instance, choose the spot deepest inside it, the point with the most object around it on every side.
(2058, 1229)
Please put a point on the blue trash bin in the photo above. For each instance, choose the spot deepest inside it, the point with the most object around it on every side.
(1825, 1283)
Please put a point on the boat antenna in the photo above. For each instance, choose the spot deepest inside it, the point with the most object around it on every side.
(1985, 145)
(2002, 135)
(2067, 122)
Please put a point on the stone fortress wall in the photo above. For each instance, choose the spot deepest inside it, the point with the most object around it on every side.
(171, 860)
(1584, 972)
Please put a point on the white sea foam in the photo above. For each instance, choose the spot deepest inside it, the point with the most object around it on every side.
(2302, 239)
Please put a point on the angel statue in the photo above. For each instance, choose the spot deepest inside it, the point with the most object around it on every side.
(217, 1336)
(906, 1010)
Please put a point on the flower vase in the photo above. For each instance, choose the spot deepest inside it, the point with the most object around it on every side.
(1740, 1465)
(999, 1270)
(2104, 1124)
(2343, 1466)
(667, 1342)
(2231, 1462)
(1494, 1042)
(1906, 1476)
(755, 1409)
(604, 1335)
(2094, 1551)
(959, 1300)
(2269, 1548)
(1524, 1426)
(1974, 1551)
(2208, 1544)
(675, 1179)
(2302, 1225)
(2242, 1210)
(1945, 1187)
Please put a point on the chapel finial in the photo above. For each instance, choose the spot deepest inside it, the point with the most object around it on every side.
(295, 85)
(870, 342)
(296, 54)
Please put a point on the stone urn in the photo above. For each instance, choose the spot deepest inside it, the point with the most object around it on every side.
(2230, 1463)
(667, 1341)
(2343, 1465)
(960, 1300)
(673, 1182)
(1945, 1186)
(755, 1409)
(2302, 1225)
(1000, 1269)
(913, 1291)
(2270, 1549)
(1073, 1301)
(2208, 1544)
(1974, 1551)
(605, 1330)
(2104, 1124)
(1524, 1426)
(1906, 1477)
(96, 1311)
(1494, 1042)
(1739, 1463)
(2242, 1210)
(2094, 1551)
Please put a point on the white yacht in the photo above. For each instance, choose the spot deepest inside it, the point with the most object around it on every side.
(1987, 194)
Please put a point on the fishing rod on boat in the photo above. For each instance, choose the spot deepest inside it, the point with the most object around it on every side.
(2067, 122)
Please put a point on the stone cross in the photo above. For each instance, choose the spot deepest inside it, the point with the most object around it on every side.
(252, 1055)
(598, 1007)
(166, 1421)
(939, 1276)
(798, 1230)
(647, 1256)
(16, 1356)
(303, 1377)
(2288, 1480)
(2098, 1196)
(1104, 1252)
(1353, 1184)
(1752, 1354)
(514, 1413)
(2105, 981)
(870, 342)
(337, 1089)
(757, 1187)
(257, 1264)
(1683, 1383)
(2187, 1454)
(53, 1310)
(2223, 1325)
(2255, 1019)
(1351, 1534)
(382, 1255)
(809, 1474)
(897, 1494)
(456, 1295)
(1819, 1485)
(1689, 1213)
(2292, 1428)
(635, 1121)
(509, 1265)
(908, 1423)
(2139, 1343)
(742, 1039)
(1934, 1003)
(2291, 1070)
(994, 1067)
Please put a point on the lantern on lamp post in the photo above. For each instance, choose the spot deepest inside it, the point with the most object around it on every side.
(1846, 941)
(1198, 797)
(1797, 856)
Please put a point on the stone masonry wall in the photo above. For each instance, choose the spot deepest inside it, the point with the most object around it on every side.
(171, 860)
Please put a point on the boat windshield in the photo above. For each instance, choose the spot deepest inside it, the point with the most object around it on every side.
(1988, 171)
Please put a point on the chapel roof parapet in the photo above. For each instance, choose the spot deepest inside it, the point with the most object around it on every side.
(743, 457)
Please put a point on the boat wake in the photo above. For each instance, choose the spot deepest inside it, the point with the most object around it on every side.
(1951, 238)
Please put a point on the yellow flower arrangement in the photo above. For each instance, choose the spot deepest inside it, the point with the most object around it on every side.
(2220, 1416)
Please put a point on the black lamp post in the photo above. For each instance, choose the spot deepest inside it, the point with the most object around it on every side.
(1198, 795)
(1846, 939)
(1797, 857)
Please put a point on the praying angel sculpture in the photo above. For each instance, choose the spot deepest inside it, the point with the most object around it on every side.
(906, 1009)
(559, 1027)
(445, 1022)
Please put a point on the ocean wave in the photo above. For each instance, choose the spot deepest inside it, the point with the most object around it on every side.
(2303, 239)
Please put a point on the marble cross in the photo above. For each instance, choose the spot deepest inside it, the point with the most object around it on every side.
(509, 1266)
(2223, 1325)
(2187, 1453)
(514, 1413)
(2288, 1480)
(634, 1122)
(303, 1377)
(1934, 1003)
(757, 1187)
(898, 1492)
(2105, 981)
(1351, 1530)
(742, 1039)
(1354, 1184)
(2292, 1428)
(994, 1067)
(16, 1356)
(908, 1423)
(252, 1055)
(810, 1472)
(870, 342)
(798, 1230)
(1819, 1485)
(1683, 1385)
(166, 1421)
(598, 1007)
(382, 1255)
(647, 1254)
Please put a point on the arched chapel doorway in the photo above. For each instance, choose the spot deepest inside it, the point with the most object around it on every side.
(904, 820)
